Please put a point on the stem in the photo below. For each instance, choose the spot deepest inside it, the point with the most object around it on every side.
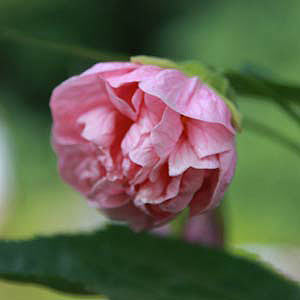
(16, 36)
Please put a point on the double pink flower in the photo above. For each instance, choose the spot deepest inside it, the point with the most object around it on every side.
(142, 143)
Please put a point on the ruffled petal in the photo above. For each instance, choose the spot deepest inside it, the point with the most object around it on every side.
(208, 138)
(158, 191)
(167, 132)
(191, 182)
(227, 168)
(99, 126)
(215, 184)
(120, 104)
(71, 99)
(136, 75)
(78, 165)
(108, 194)
(188, 96)
(110, 69)
(143, 154)
(183, 157)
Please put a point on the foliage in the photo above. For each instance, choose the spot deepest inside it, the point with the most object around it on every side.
(123, 265)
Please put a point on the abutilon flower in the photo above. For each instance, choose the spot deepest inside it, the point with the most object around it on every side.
(142, 142)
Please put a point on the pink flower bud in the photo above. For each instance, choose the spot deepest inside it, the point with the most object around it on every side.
(142, 143)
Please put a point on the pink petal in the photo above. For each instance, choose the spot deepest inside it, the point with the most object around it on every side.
(191, 182)
(78, 165)
(143, 72)
(215, 184)
(188, 96)
(108, 194)
(129, 213)
(153, 110)
(150, 115)
(110, 68)
(203, 198)
(158, 192)
(184, 157)
(208, 138)
(120, 104)
(70, 100)
(143, 154)
(137, 99)
(131, 139)
(227, 168)
(166, 133)
(99, 126)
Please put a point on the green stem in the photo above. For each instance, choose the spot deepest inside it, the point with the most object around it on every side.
(16, 36)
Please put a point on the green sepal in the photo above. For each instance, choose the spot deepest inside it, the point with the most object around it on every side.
(155, 61)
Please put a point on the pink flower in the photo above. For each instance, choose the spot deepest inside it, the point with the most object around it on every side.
(142, 143)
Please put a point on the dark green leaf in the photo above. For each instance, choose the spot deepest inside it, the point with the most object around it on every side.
(127, 266)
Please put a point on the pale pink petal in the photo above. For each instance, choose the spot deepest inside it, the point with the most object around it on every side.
(208, 138)
(154, 108)
(141, 73)
(210, 162)
(110, 69)
(166, 133)
(131, 139)
(188, 96)
(143, 154)
(150, 115)
(70, 100)
(99, 126)
(183, 157)
(137, 99)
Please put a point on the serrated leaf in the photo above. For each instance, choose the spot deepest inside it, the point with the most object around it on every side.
(127, 266)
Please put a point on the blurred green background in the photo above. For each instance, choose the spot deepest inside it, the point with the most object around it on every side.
(263, 204)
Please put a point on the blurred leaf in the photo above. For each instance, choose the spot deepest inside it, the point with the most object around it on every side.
(127, 266)
(288, 109)
(272, 134)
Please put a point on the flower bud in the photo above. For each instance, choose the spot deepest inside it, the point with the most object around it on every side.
(143, 140)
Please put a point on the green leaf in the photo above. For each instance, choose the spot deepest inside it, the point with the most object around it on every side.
(127, 266)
